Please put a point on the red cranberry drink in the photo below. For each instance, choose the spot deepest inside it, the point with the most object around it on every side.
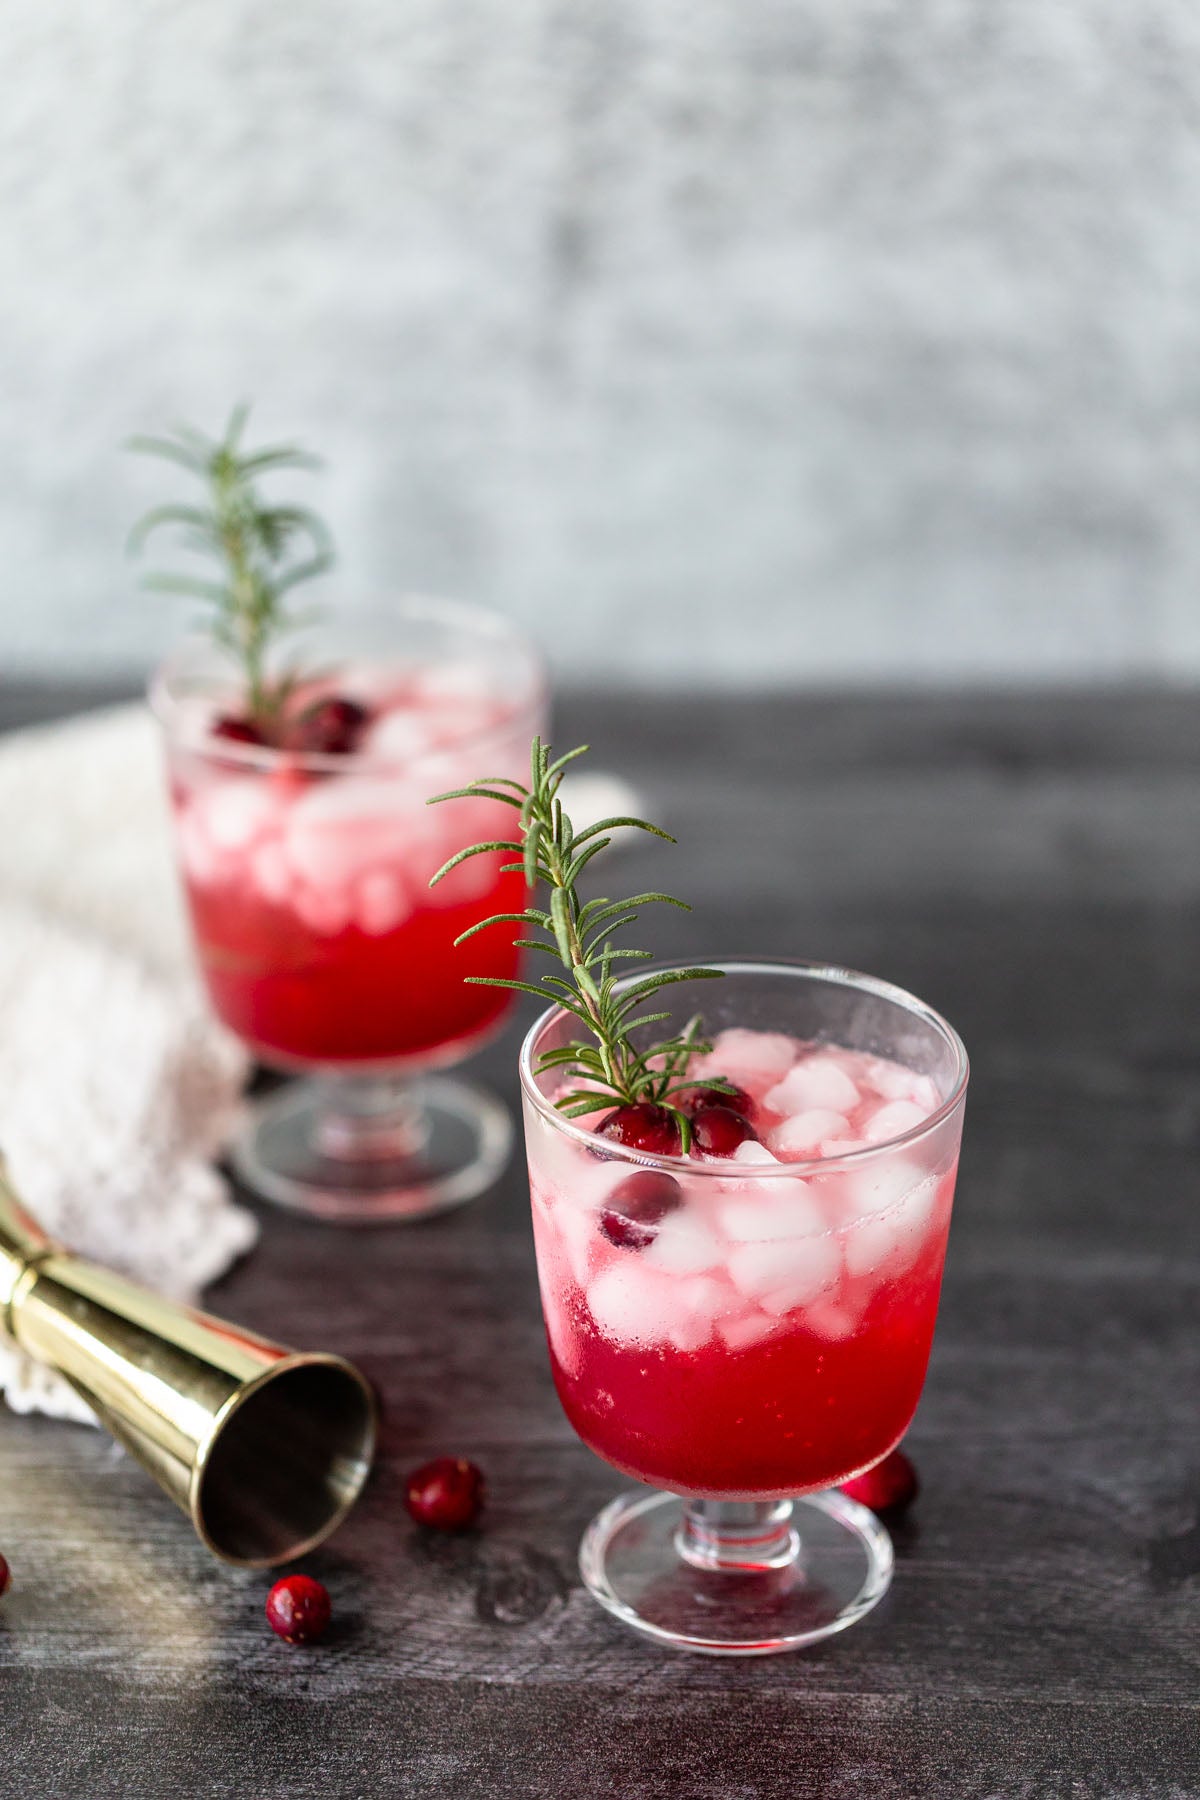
(741, 1179)
(307, 869)
(300, 782)
(306, 851)
(755, 1321)
(740, 1285)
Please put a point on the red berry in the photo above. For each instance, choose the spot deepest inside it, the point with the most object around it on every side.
(643, 1127)
(5, 1578)
(636, 1207)
(330, 727)
(889, 1487)
(238, 731)
(734, 1097)
(718, 1130)
(446, 1493)
(298, 1609)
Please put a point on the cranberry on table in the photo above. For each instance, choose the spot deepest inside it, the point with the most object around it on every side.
(5, 1577)
(717, 1130)
(298, 1609)
(446, 1493)
(889, 1487)
(637, 1206)
(645, 1127)
(330, 727)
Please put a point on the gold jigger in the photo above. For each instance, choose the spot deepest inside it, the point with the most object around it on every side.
(265, 1449)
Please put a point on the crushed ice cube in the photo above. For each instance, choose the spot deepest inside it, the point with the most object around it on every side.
(754, 1060)
(631, 1303)
(271, 871)
(782, 1209)
(882, 1183)
(893, 1119)
(816, 1082)
(575, 1228)
(705, 1295)
(891, 1080)
(399, 736)
(236, 811)
(892, 1239)
(751, 1151)
(803, 1132)
(924, 1092)
(688, 1331)
(343, 828)
(461, 681)
(745, 1329)
(684, 1245)
(791, 1296)
(202, 862)
(796, 1267)
(832, 1320)
(380, 902)
(324, 910)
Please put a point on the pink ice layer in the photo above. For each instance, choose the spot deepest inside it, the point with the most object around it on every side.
(356, 846)
(747, 1255)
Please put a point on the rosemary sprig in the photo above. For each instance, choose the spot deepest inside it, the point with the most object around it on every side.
(263, 551)
(579, 935)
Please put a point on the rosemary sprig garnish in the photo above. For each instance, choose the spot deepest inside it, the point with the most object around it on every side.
(263, 551)
(579, 935)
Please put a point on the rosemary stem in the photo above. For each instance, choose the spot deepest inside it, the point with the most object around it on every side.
(617, 1075)
(613, 1067)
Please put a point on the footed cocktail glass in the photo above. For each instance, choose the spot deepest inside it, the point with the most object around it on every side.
(320, 941)
(767, 1339)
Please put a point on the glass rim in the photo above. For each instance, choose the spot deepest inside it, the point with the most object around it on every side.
(482, 620)
(719, 1168)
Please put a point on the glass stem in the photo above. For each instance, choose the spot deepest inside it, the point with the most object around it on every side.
(738, 1535)
(366, 1119)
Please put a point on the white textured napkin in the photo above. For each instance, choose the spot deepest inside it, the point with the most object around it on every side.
(116, 1085)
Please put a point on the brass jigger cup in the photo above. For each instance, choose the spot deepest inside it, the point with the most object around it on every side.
(265, 1449)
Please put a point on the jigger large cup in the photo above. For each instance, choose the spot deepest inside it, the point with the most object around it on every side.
(265, 1449)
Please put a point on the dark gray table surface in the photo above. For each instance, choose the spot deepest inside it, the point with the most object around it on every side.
(1031, 866)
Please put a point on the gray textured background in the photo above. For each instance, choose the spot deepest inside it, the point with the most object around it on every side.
(848, 339)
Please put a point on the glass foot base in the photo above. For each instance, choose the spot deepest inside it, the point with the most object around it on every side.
(374, 1151)
(814, 1567)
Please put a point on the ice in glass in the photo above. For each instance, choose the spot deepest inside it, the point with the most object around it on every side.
(749, 1327)
(320, 940)
(307, 878)
(754, 1332)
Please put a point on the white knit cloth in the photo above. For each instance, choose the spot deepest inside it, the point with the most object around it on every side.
(116, 1085)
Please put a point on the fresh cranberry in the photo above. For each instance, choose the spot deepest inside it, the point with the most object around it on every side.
(889, 1487)
(330, 727)
(237, 731)
(446, 1493)
(718, 1130)
(5, 1578)
(636, 1207)
(732, 1096)
(643, 1127)
(298, 1609)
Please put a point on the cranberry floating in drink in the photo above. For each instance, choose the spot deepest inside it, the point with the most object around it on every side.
(739, 1313)
(300, 781)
